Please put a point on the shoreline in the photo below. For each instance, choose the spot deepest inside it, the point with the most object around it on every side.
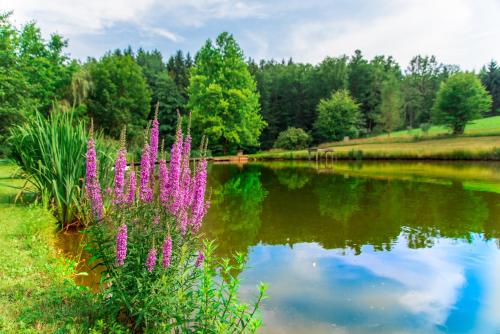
(485, 148)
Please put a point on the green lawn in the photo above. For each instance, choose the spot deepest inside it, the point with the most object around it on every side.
(481, 127)
(37, 292)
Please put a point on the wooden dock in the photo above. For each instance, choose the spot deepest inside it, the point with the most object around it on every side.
(230, 158)
(318, 151)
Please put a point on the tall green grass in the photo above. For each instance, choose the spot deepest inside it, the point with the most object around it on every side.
(51, 152)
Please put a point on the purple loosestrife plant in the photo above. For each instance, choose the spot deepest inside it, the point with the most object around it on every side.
(151, 259)
(178, 295)
(199, 204)
(163, 181)
(121, 245)
(167, 251)
(153, 140)
(175, 171)
(92, 186)
(145, 191)
(186, 189)
(131, 187)
(199, 259)
(120, 169)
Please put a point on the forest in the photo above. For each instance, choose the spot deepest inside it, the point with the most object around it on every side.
(239, 102)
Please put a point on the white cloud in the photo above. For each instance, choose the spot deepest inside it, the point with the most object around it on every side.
(92, 16)
(78, 17)
(164, 33)
(457, 31)
(462, 32)
(431, 278)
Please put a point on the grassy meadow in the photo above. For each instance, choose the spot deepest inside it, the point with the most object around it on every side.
(37, 291)
(481, 141)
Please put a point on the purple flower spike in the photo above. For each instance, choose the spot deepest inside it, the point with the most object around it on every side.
(145, 191)
(120, 166)
(92, 186)
(167, 251)
(199, 259)
(153, 154)
(175, 170)
(163, 181)
(121, 245)
(199, 207)
(131, 188)
(151, 259)
(183, 220)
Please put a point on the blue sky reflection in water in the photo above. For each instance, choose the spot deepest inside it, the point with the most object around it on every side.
(353, 249)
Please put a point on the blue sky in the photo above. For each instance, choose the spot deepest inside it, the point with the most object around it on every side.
(462, 32)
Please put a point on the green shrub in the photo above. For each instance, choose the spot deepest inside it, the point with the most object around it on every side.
(338, 117)
(51, 152)
(292, 139)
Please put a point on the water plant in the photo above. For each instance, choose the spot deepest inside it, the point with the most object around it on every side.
(50, 150)
(159, 276)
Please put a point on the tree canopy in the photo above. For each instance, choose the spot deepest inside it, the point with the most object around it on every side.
(120, 95)
(223, 97)
(490, 77)
(34, 73)
(389, 117)
(338, 117)
(460, 99)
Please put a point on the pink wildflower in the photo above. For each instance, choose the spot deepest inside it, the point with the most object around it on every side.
(151, 259)
(121, 245)
(167, 251)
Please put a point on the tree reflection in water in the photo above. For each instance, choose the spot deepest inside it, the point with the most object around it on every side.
(282, 204)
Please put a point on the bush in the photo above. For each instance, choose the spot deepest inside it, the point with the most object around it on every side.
(338, 117)
(50, 151)
(159, 277)
(292, 139)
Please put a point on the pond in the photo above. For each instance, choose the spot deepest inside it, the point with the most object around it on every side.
(363, 247)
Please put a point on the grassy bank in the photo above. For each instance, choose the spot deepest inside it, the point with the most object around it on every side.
(37, 291)
(488, 126)
(459, 148)
(481, 141)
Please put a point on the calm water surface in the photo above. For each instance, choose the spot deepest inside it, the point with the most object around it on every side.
(364, 248)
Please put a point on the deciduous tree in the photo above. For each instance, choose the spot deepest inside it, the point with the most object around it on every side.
(223, 97)
(460, 99)
(120, 95)
(389, 117)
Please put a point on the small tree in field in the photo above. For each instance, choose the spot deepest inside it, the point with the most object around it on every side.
(338, 116)
(461, 99)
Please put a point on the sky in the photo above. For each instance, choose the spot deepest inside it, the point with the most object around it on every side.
(460, 32)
